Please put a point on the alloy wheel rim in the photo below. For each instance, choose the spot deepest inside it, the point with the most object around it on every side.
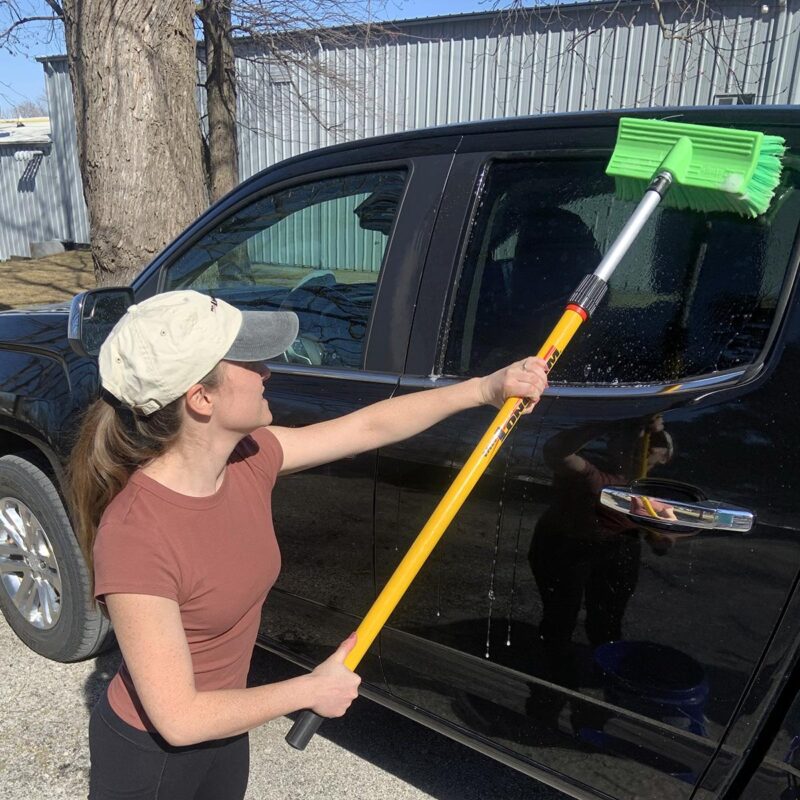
(29, 571)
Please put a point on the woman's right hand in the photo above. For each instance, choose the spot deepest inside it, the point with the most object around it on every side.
(336, 685)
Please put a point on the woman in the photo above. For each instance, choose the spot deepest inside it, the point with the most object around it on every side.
(171, 482)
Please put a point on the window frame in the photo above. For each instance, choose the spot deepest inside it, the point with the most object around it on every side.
(704, 383)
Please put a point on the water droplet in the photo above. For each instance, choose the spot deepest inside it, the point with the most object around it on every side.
(498, 529)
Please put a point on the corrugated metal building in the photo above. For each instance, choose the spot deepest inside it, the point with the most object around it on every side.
(30, 206)
(41, 196)
(65, 147)
(432, 71)
(478, 66)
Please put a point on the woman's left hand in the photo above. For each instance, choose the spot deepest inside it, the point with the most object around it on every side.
(526, 378)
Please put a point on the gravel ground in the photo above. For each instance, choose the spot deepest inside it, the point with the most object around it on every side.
(371, 753)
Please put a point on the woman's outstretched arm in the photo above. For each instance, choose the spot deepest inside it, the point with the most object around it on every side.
(401, 417)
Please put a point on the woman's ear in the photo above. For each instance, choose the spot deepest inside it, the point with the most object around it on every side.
(199, 402)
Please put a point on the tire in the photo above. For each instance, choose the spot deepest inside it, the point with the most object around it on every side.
(44, 581)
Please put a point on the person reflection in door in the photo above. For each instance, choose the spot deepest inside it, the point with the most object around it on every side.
(583, 552)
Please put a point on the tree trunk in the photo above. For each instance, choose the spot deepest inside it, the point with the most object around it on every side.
(222, 162)
(134, 72)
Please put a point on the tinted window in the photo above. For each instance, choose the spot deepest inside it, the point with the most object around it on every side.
(696, 293)
(315, 249)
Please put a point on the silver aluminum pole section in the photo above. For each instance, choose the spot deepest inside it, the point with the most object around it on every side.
(647, 205)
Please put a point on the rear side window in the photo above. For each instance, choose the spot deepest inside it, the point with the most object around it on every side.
(696, 294)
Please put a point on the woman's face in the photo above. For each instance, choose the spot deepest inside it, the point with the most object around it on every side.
(657, 456)
(241, 405)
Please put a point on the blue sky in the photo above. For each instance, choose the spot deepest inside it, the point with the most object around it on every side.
(22, 77)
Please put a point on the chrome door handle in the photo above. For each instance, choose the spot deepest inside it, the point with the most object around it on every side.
(705, 515)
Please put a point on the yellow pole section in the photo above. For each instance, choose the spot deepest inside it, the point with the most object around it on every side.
(455, 496)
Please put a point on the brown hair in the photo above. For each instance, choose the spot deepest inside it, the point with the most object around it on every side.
(112, 443)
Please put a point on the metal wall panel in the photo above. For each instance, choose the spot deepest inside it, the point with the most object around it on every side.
(30, 207)
(565, 58)
(65, 149)
(321, 237)
(477, 66)
(42, 199)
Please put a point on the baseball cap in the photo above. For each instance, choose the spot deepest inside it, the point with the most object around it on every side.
(167, 343)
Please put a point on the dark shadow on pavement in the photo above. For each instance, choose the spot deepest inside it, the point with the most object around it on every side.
(106, 666)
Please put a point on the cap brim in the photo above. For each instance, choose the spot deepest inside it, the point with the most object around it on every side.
(263, 335)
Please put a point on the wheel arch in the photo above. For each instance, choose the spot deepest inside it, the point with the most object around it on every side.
(18, 442)
(29, 445)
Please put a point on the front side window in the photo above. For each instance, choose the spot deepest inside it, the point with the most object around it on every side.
(315, 249)
(696, 294)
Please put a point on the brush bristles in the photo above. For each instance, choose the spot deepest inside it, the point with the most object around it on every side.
(767, 174)
(752, 202)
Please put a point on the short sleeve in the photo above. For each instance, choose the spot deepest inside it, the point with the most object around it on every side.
(262, 452)
(129, 559)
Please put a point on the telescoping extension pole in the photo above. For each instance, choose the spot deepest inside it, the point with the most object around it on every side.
(580, 307)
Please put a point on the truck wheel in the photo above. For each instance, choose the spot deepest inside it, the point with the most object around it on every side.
(44, 582)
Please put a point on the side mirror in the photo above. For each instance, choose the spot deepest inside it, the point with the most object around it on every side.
(93, 314)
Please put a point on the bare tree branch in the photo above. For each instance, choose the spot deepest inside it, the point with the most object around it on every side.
(7, 34)
(13, 20)
(296, 44)
(56, 8)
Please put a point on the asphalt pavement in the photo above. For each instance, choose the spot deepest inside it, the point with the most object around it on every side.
(370, 754)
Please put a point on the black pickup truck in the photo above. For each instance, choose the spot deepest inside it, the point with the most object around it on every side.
(555, 628)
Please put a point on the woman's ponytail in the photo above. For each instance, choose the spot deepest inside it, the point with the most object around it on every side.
(112, 443)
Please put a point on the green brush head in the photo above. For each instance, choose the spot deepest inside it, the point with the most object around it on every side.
(713, 169)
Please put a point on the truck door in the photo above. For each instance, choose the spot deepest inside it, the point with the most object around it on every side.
(570, 619)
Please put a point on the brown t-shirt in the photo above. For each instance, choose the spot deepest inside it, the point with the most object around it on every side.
(215, 556)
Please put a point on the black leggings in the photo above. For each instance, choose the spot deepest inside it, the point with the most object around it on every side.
(137, 765)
